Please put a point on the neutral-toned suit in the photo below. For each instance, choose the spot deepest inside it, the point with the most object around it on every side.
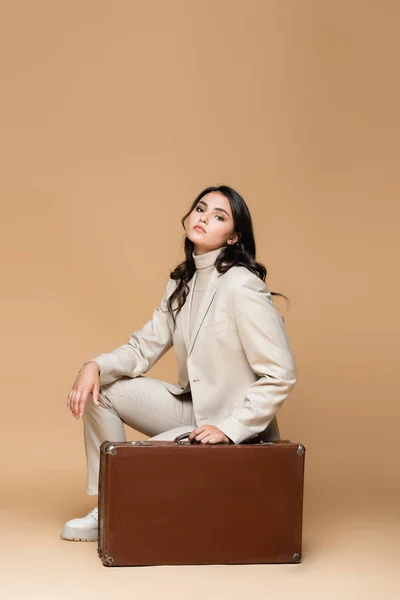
(237, 366)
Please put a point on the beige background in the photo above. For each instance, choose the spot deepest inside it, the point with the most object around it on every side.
(114, 115)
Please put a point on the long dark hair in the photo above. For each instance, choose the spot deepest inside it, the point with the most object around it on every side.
(242, 253)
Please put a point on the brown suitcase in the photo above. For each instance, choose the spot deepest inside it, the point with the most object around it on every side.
(185, 503)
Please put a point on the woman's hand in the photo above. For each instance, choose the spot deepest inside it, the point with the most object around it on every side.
(209, 434)
(87, 380)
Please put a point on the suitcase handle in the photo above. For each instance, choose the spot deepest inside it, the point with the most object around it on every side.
(182, 436)
(179, 438)
(255, 440)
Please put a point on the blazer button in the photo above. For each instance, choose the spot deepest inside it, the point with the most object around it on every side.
(194, 380)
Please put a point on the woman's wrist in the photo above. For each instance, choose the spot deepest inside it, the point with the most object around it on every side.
(90, 362)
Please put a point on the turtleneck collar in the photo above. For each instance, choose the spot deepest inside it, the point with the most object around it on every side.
(207, 259)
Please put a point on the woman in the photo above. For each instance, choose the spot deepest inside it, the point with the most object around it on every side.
(235, 363)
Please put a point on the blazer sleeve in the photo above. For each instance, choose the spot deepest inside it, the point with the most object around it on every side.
(144, 347)
(265, 342)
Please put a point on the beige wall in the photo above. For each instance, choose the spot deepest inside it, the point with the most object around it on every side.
(114, 116)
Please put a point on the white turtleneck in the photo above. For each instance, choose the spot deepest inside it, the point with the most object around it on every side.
(204, 266)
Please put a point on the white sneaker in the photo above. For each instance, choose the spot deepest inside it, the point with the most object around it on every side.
(84, 529)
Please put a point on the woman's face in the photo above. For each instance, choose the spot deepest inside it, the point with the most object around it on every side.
(213, 213)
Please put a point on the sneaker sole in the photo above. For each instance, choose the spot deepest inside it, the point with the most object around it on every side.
(78, 539)
(74, 536)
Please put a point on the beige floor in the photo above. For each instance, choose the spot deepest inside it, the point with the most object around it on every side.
(350, 550)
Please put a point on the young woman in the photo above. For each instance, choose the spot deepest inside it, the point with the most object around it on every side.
(235, 362)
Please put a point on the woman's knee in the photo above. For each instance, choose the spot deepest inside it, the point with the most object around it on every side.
(126, 387)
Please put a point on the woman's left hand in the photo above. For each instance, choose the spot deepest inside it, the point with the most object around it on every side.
(209, 434)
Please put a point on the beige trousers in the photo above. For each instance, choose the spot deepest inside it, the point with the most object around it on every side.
(144, 404)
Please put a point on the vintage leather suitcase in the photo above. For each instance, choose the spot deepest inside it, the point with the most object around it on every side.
(185, 503)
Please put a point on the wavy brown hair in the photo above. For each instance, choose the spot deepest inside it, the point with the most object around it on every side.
(242, 253)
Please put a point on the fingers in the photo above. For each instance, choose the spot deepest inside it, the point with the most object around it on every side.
(82, 401)
(213, 439)
(195, 432)
(76, 404)
(202, 435)
(76, 401)
(209, 434)
(70, 400)
(206, 439)
(88, 380)
(95, 394)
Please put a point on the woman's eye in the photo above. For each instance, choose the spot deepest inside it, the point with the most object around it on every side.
(201, 209)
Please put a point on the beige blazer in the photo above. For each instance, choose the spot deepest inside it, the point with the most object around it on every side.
(238, 363)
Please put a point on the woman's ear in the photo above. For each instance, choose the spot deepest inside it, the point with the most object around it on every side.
(235, 237)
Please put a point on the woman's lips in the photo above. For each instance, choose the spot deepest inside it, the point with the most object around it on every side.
(199, 228)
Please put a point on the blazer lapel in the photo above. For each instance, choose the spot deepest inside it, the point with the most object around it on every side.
(203, 308)
(185, 311)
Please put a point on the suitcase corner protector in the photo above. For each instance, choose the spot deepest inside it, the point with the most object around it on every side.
(108, 447)
(296, 557)
(107, 561)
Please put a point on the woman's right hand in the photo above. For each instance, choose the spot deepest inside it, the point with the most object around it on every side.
(87, 380)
